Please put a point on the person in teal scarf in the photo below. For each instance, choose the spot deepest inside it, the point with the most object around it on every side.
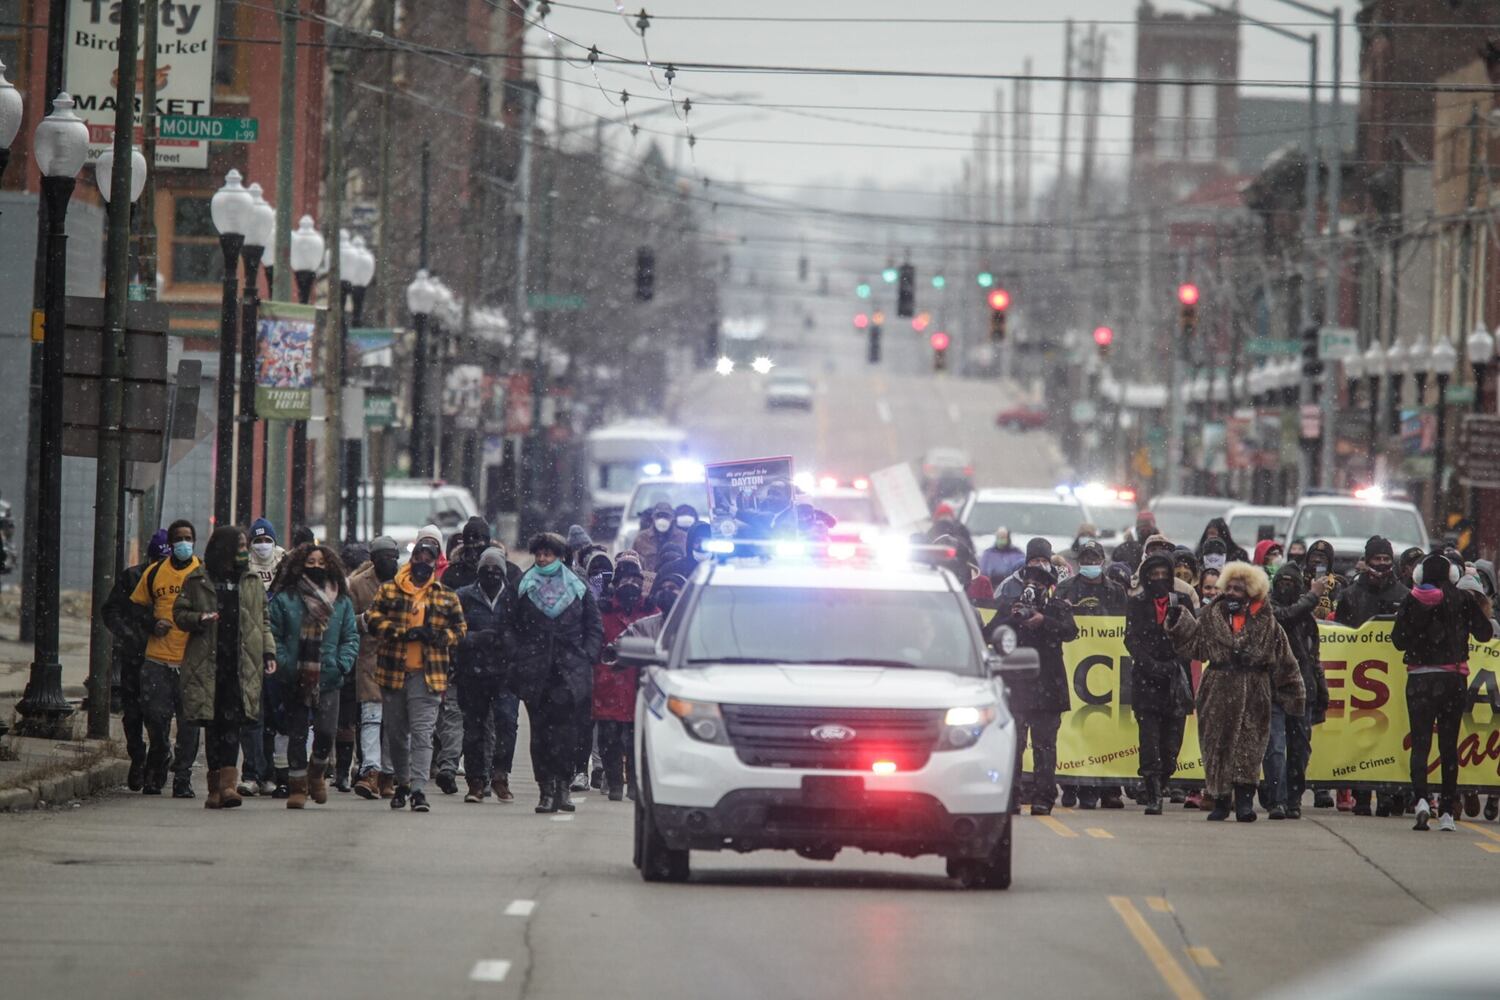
(559, 634)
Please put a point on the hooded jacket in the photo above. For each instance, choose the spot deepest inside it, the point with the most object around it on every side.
(364, 583)
(1187, 590)
(1433, 626)
(1262, 549)
(1232, 551)
(1322, 552)
(199, 660)
(1296, 618)
(999, 561)
(1160, 679)
(649, 543)
(1367, 597)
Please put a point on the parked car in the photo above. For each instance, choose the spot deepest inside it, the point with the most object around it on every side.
(787, 387)
(411, 504)
(1022, 418)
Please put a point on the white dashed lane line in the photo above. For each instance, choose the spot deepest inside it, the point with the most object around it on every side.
(490, 970)
(520, 908)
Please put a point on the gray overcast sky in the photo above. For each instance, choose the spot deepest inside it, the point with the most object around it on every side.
(927, 165)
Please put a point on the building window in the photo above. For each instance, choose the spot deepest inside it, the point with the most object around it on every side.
(227, 53)
(1203, 111)
(10, 38)
(196, 258)
(1169, 112)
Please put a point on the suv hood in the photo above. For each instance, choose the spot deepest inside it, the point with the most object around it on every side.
(830, 686)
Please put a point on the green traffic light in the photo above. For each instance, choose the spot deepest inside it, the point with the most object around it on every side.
(986, 279)
(938, 281)
(862, 290)
(890, 275)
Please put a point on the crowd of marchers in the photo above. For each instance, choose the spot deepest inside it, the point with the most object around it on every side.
(1251, 620)
(303, 668)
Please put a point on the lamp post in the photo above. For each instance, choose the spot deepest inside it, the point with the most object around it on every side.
(421, 298)
(1443, 360)
(12, 111)
(60, 146)
(1374, 368)
(231, 209)
(1479, 349)
(1396, 363)
(358, 266)
(260, 232)
(306, 255)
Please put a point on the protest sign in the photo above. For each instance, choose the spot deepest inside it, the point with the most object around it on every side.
(744, 497)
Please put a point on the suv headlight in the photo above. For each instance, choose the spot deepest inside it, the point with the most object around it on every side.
(963, 726)
(702, 720)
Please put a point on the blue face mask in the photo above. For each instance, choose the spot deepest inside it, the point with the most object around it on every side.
(551, 569)
(1091, 572)
(182, 551)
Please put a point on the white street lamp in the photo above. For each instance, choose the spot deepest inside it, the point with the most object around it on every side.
(1443, 358)
(61, 142)
(306, 253)
(1479, 348)
(12, 112)
(1374, 360)
(104, 172)
(232, 206)
(260, 226)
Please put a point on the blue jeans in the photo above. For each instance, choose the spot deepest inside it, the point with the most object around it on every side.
(1273, 766)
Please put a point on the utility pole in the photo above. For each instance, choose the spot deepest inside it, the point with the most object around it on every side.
(112, 370)
(1061, 194)
(386, 285)
(145, 212)
(1465, 295)
(276, 488)
(1332, 291)
(337, 328)
(1307, 391)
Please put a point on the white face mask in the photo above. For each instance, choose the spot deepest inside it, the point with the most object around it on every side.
(686, 521)
(263, 550)
(663, 525)
(1213, 562)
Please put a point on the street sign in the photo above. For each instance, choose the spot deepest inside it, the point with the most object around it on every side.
(1479, 451)
(380, 408)
(1083, 411)
(538, 302)
(210, 129)
(1263, 347)
(1337, 343)
(1459, 395)
(1312, 421)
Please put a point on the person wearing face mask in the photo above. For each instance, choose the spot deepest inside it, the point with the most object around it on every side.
(161, 678)
(1434, 624)
(222, 608)
(1290, 746)
(1214, 555)
(130, 624)
(1248, 665)
(1158, 545)
(376, 780)
(599, 573)
(559, 635)
(1296, 552)
(464, 567)
(317, 644)
(417, 621)
(1002, 558)
(1042, 622)
(1089, 592)
(1161, 690)
(1407, 564)
(685, 517)
(1218, 528)
(614, 686)
(480, 664)
(1319, 566)
(1268, 555)
(265, 554)
(658, 530)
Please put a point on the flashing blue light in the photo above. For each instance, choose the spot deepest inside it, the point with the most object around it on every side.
(719, 547)
(791, 550)
(652, 468)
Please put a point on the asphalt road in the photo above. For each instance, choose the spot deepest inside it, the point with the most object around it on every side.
(127, 896)
(866, 419)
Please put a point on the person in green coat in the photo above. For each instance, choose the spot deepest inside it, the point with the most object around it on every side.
(230, 649)
(317, 644)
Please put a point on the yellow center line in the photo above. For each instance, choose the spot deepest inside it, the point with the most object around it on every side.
(1099, 833)
(1485, 845)
(1057, 826)
(1171, 971)
(1203, 957)
(1159, 903)
(1491, 834)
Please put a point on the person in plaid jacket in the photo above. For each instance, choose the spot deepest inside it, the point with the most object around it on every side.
(417, 622)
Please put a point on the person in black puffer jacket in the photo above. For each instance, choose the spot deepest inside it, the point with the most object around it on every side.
(1161, 690)
(480, 664)
(1433, 627)
(1290, 747)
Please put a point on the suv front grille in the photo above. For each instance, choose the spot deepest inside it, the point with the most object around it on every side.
(782, 736)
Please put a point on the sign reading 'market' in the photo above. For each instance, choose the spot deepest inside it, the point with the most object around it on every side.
(184, 71)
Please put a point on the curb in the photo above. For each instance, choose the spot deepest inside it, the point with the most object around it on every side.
(81, 784)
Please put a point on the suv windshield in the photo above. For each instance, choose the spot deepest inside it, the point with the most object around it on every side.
(1358, 521)
(648, 495)
(1024, 518)
(922, 630)
(420, 510)
(1183, 521)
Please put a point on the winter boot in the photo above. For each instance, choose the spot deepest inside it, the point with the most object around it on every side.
(387, 785)
(564, 796)
(213, 801)
(1492, 807)
(136, 779)
(1220, 810)
(1111, 798)
(1322, 799)
(296, 791)
(548, 801)
(1153, 797)
(343, 759)
(1069, 796)
(317, 788)
(182, 786)
(283, 788)
(475, 794)
(368, 785)
(1244, 803)
(229, 796)
(616, 791)
(501, 787)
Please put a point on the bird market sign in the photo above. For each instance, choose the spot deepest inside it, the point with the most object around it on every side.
(184, 72)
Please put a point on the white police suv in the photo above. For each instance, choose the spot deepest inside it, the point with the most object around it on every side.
(817, 704)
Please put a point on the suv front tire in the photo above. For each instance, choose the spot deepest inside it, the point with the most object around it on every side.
(657, 861)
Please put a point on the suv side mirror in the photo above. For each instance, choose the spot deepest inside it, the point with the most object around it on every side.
(634, 651)
(1016, 665)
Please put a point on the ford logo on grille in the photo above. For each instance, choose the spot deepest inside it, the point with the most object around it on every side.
(832, 733)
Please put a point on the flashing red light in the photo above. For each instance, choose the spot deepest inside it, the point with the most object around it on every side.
(1103, 336)
(999, 300)
(861, 321)
(861, 483)
(883, 767)
(1187, 294)
(921, 321)
(939, 341)
(1127, 495)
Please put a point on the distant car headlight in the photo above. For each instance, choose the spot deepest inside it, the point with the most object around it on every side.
(701, 719)
(963, 726)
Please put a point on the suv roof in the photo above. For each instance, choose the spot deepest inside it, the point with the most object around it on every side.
(835, 577)
(1028, 496)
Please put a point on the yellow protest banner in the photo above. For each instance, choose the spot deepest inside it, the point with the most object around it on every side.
(1365, 740)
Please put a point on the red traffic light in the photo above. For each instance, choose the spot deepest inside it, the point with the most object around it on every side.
(861, 321)
(1103, 336)
(939, 341)
(999, 300)
(1187, 294)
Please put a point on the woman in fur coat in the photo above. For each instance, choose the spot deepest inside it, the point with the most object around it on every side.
(1247, 662)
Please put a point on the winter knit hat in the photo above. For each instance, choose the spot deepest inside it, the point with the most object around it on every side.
(158, 548)
(492, 557)
(1378, 546)
(476, 531)
(1435, 570)
(1038, 548)
(261, 528)
(628, 563)
(577, 537)
(383, 543)
(429, 537)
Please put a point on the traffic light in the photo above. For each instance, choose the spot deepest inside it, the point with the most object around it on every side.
(1187, 295)
(861, 321)
(939, 282)
(939, 342)
(985, 279)
(645, 274)
(1312, 365)
(999, 300)
(889, 275)
(1103, 337)
(906, 291)
(875, 344)
(862, 289)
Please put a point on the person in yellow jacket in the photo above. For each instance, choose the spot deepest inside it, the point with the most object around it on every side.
(161, 673)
